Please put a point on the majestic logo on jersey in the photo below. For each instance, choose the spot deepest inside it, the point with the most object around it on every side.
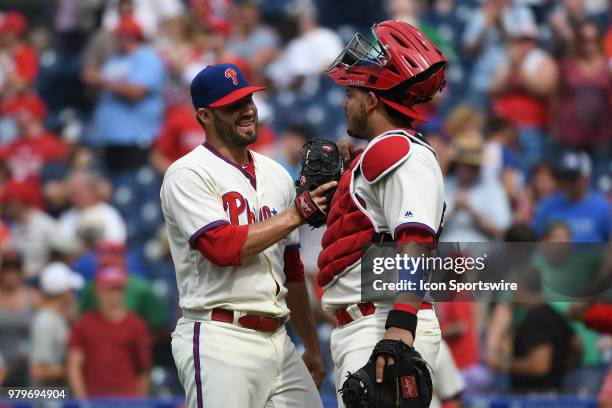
(235, 205)
(408, 214)
(231, 73)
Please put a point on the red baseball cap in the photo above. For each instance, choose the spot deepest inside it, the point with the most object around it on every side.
(111, 277)
(20, 193)
(111, 254)
(13, 21)
(29, 103)
(129, 26)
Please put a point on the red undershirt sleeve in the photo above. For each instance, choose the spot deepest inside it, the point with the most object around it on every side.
(294, 268)
(222, 245)
(415, 234)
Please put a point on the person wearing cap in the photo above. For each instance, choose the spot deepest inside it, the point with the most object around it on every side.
(50, 326)
(128, 113)
(139, 298)
(586, 212)
(469, 195)
(109, 349)
(18, 60)
(231, 223)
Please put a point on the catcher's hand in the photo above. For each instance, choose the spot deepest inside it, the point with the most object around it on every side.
(348, 152)
(321, 164)
(406, 383)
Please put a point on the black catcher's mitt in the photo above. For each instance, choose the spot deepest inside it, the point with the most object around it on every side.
(321, 163)
(406, 384)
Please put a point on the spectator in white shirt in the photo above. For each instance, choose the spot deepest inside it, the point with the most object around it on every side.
(149, 13)
(307, 55)
(35, 234)
(87, 208)
(50, 326)
(252, 41)
(478, 209)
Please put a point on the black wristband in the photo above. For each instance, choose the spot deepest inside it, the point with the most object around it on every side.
(402, 320)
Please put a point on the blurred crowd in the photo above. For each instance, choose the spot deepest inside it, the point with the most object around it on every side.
(94, 107)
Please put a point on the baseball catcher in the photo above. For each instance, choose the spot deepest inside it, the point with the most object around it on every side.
(392, 192)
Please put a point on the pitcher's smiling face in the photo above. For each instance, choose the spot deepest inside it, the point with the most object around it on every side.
(236, 124)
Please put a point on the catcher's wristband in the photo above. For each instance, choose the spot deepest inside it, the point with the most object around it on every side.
(403, 317)
(305, 205)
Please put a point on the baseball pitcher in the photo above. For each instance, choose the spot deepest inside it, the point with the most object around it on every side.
(231, 218)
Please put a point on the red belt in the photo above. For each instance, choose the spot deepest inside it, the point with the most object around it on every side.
(343, 317)
(253, 322)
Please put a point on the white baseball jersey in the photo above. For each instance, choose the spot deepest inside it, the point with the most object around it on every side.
(203, 190)
(410, 193)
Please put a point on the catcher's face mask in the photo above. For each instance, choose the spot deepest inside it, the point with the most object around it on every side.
(398, 61)
(362, 51)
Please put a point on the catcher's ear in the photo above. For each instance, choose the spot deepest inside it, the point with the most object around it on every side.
(371, 101)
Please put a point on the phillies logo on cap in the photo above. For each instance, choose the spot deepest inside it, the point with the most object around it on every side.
(220, 85)
(328, 148)
(231, 73)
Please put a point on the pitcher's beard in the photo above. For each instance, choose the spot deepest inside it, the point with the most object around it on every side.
(230, 136)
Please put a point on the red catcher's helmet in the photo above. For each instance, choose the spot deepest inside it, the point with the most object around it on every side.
(397, 62)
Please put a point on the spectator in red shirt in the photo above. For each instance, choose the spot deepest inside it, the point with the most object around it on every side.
(18, 60)
(460, 331)
(34, 148)
(523, 90)
(585, 92)
(109, 350)
(180, 134)
(585, 98)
